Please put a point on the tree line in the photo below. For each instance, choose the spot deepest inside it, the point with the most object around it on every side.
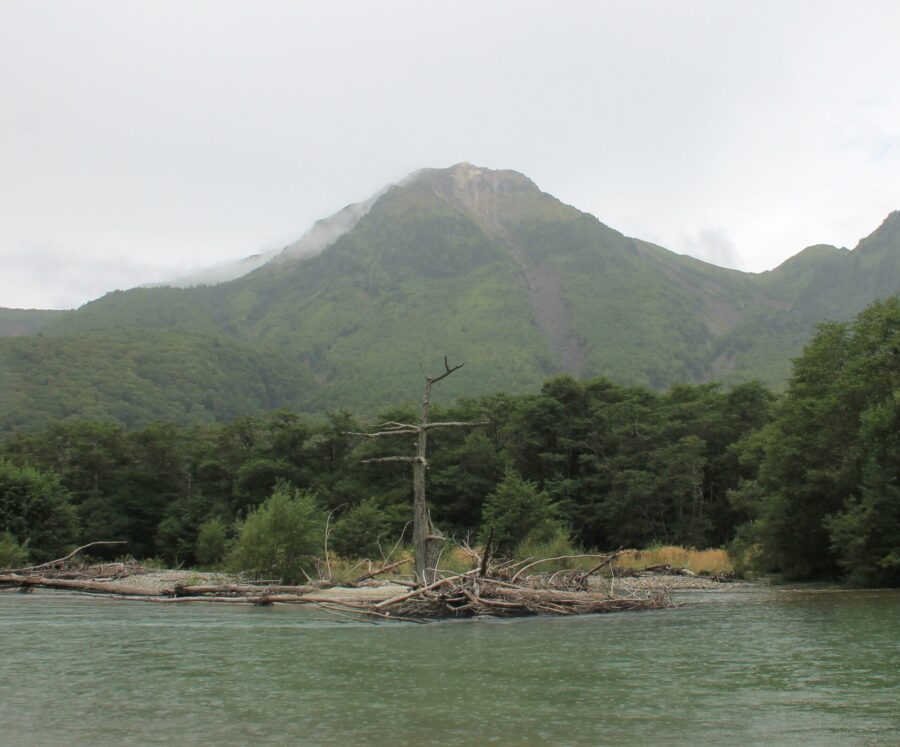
(806, 484)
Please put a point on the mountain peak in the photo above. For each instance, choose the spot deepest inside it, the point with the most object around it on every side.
(884, 238)
(477, 189)
(465, 178)
(891, 223)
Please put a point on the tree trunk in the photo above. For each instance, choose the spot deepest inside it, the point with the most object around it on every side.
(425, 539)
(421, 526)
(423, 531)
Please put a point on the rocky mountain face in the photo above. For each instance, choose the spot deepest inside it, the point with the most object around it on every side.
(482, 266)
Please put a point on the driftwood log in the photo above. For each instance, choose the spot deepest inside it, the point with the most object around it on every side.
(70, 584)
(200, 590)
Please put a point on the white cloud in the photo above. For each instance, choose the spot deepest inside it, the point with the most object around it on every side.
(181, 135)
(48, 277)
(713, 245)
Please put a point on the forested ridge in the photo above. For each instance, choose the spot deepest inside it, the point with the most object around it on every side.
(806, 484)
(476, 264)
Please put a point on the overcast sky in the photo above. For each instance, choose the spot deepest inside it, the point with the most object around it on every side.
(141, 140)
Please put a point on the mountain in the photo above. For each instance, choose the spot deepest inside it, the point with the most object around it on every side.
(19, 322)
(138, 376)
(481, 266)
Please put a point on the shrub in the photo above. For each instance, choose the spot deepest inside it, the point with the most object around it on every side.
(281, 538)
(517, 511)
(35, 508)
(357, 534)
(12, 554)
(212, 542)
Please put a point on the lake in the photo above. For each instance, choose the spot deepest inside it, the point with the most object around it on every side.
(752, 666)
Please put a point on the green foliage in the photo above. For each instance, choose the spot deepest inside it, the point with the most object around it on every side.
(12, 554)
(628, 467)
(16, 322)
(865, 533)
(212, 543)
(359, 532)
(622, 465)
(826, 493)
(464, 467)
(34, 510)
(135, 377)
(517, 509)
(281, 538)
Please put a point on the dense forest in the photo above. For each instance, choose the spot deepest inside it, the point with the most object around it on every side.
(806, 484)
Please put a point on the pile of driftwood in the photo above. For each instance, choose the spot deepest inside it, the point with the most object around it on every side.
(504, 589)
(472, 594)
(461, 595)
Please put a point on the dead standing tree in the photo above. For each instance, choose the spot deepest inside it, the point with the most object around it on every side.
(426, 539)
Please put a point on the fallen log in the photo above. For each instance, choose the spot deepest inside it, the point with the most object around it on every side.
(98, 587)
(199, 590)
(256, 599)
(667, 570)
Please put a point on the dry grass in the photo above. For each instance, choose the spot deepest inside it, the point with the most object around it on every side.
(346, 570)
(698, 561)
(455, 559)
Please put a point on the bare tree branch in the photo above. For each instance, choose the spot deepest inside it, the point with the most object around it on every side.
(606, 558)
(383, 569)
(70, 555)
(457, 424)
(379, 434)
(394, 548)
(447, 371)
(414, 429)
(410, 459)
(327, 532)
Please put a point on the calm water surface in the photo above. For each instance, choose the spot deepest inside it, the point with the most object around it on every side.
(746, 667)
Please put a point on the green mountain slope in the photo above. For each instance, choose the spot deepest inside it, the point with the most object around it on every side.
(138, 377)
(482, 266)
(821, 282)
(19, 322)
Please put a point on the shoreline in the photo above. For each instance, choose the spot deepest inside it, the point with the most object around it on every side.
(162, 583)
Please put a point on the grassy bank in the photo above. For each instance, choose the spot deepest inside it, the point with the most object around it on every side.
(714, 560)
(456, 559)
